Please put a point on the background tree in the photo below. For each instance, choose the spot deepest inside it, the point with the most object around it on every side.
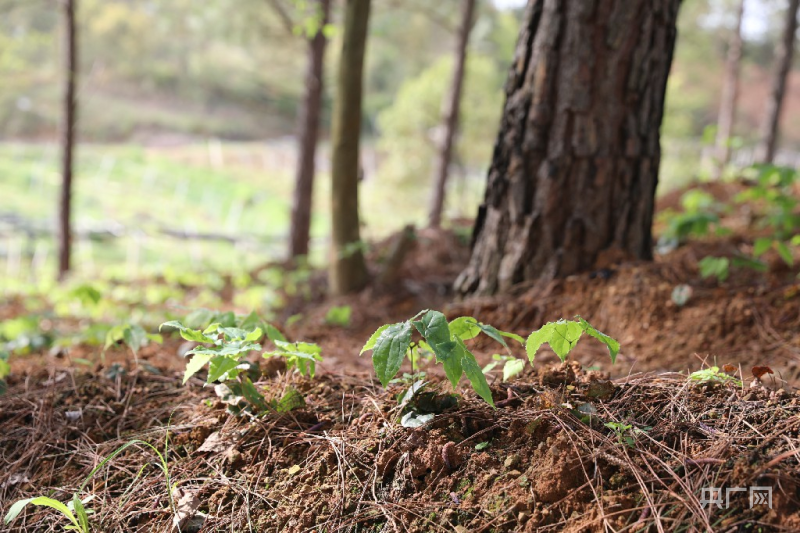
(68, 137)
(450, 108)
(730, 94)
(574, 173)
(348, 270)
(768, 136)
(307, 136)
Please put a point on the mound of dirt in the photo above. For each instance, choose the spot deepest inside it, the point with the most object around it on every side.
(565, 450)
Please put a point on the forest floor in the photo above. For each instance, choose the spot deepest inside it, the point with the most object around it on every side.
(579, 446)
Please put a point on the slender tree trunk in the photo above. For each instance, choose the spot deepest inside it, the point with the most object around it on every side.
(730, 95)
(573, 177)
(765, 151)
(308, 134)
(450, 114)
(67, 138)
(348, 271)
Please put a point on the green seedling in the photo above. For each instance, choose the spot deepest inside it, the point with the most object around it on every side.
(626, 433)
(391, 343)
(563, 336)
(223, 349)
(511, 365)
(714, 375)
(75, 511)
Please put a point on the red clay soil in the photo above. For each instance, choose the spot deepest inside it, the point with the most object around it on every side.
(544, 460)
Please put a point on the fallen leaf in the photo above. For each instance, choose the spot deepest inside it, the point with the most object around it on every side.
(759, 371)
(728, 369)
(215, 443)
(186, 505)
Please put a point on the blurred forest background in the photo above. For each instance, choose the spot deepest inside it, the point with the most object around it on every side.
(188, 113)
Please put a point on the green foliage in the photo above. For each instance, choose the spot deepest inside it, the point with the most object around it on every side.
(223, 345)
(74, 511)
(222, 349)
(408, 124)
(717, 267)
(626, 433)
(391, 344)
(133, 335)
(700, 213)
(511, 366)
(339, 316)
(713, 375)
(563, 336)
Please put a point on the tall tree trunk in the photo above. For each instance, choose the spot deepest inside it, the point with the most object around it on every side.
(308, 134)
(765, 151)
(67, 138)
(450, 113)
(348, 271)
(573, 177)
(730, 95)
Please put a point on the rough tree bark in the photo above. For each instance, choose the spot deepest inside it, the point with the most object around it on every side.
(450, 112)
(67, 138)
(307, 135)
(574, 172)
(348, 271)
(730, 95)
(765, 151)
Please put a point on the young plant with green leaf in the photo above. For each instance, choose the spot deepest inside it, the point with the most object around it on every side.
(223, 349)
(391, 343)
(133, 335)
(75, 511)
(563, 336)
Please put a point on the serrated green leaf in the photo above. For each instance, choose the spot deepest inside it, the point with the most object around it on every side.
(390, 350)
(449, 354)
(537, 338)
(373, 339)
(252, 395)
(232, 348)
(611, 343)
(187, 333)
(564, 338)
(433, 326)
(512, 368)
(212, 328)
(274, 334)
(196, 363)
(464, 327)
(492, 332)
(475, 375)
(290, 401)
(221, 365)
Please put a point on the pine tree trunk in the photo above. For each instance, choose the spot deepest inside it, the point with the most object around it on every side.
(730, 95)
(765, 151)
(575, 167)
(451, 107)
(67, 139)
(308, 134)
(348, 271)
